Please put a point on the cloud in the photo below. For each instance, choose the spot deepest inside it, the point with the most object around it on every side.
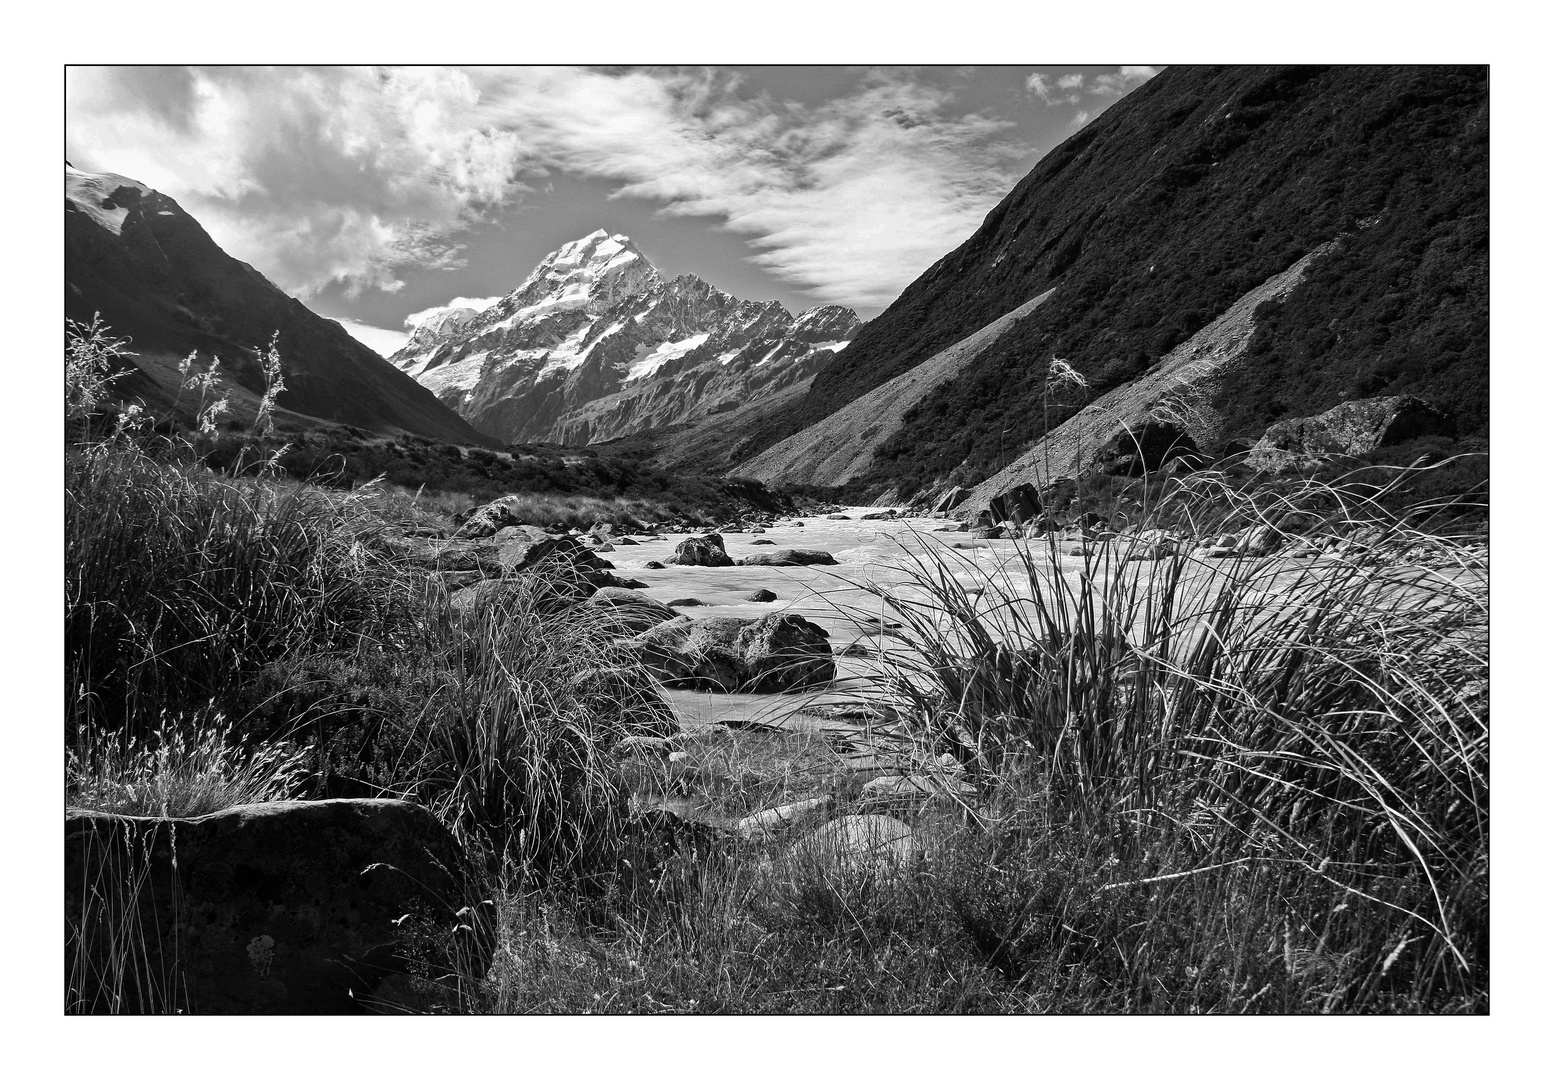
(317, 175)
(383, 342)
(352, 176)
(1121, 81)
(1081, 118)
(849, 199)
(479, 304)
(1070, 89)
(1059, 91)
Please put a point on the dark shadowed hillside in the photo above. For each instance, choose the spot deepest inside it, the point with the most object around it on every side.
(1157, 217)
(157, 278)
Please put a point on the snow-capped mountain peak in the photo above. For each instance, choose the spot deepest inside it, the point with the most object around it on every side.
(595, 343)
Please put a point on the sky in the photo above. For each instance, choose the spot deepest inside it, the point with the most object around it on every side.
(378, 195)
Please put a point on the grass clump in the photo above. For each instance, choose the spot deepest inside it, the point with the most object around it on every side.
(185, 769)
(1301, 746)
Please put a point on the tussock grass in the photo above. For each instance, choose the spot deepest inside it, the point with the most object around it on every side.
(1310, 732)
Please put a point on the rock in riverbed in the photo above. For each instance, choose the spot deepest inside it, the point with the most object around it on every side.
(774, 653)
(700, 551)
(790, 557)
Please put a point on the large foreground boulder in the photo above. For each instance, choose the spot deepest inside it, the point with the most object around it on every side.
(700, 551)
(772, 654)
(790, 557)
(1347, 430)
(284, 907)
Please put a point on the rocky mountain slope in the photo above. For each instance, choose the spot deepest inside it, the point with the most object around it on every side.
(157, 277)
(1158, 219)
(596, 344)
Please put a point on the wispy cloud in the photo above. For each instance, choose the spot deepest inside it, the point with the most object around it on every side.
(321, 175)
(849, 199)
(350, 176)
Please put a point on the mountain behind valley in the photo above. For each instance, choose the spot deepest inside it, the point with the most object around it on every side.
(156, 277)
(596, 344)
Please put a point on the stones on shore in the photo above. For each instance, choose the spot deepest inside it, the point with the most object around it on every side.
(860, 842)
(910, 790)
(280, 907)
(775, 653)
(787, 818)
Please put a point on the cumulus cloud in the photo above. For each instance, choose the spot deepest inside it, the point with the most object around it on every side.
(318, 175)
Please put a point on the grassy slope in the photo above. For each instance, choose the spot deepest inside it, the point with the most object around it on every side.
(1183, 197)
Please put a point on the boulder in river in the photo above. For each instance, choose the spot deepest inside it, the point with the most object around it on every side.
(772, 654)
(700, 551)
(790, 557)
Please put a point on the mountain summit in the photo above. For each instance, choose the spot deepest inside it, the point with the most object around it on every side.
(596, 344)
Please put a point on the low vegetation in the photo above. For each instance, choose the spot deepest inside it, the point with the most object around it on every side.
(1248, 785)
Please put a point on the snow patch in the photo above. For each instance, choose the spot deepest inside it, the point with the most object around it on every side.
(648, 361)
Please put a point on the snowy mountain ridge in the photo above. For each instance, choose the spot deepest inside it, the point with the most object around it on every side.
(596, 344)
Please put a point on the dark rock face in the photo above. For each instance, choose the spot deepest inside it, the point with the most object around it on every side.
(762, 596)
(952, 498)
(287, 907)
(1019, 505)
(700, 551)
(790, 557)
(771, 654)
(1152, 445)
(1347, 430)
